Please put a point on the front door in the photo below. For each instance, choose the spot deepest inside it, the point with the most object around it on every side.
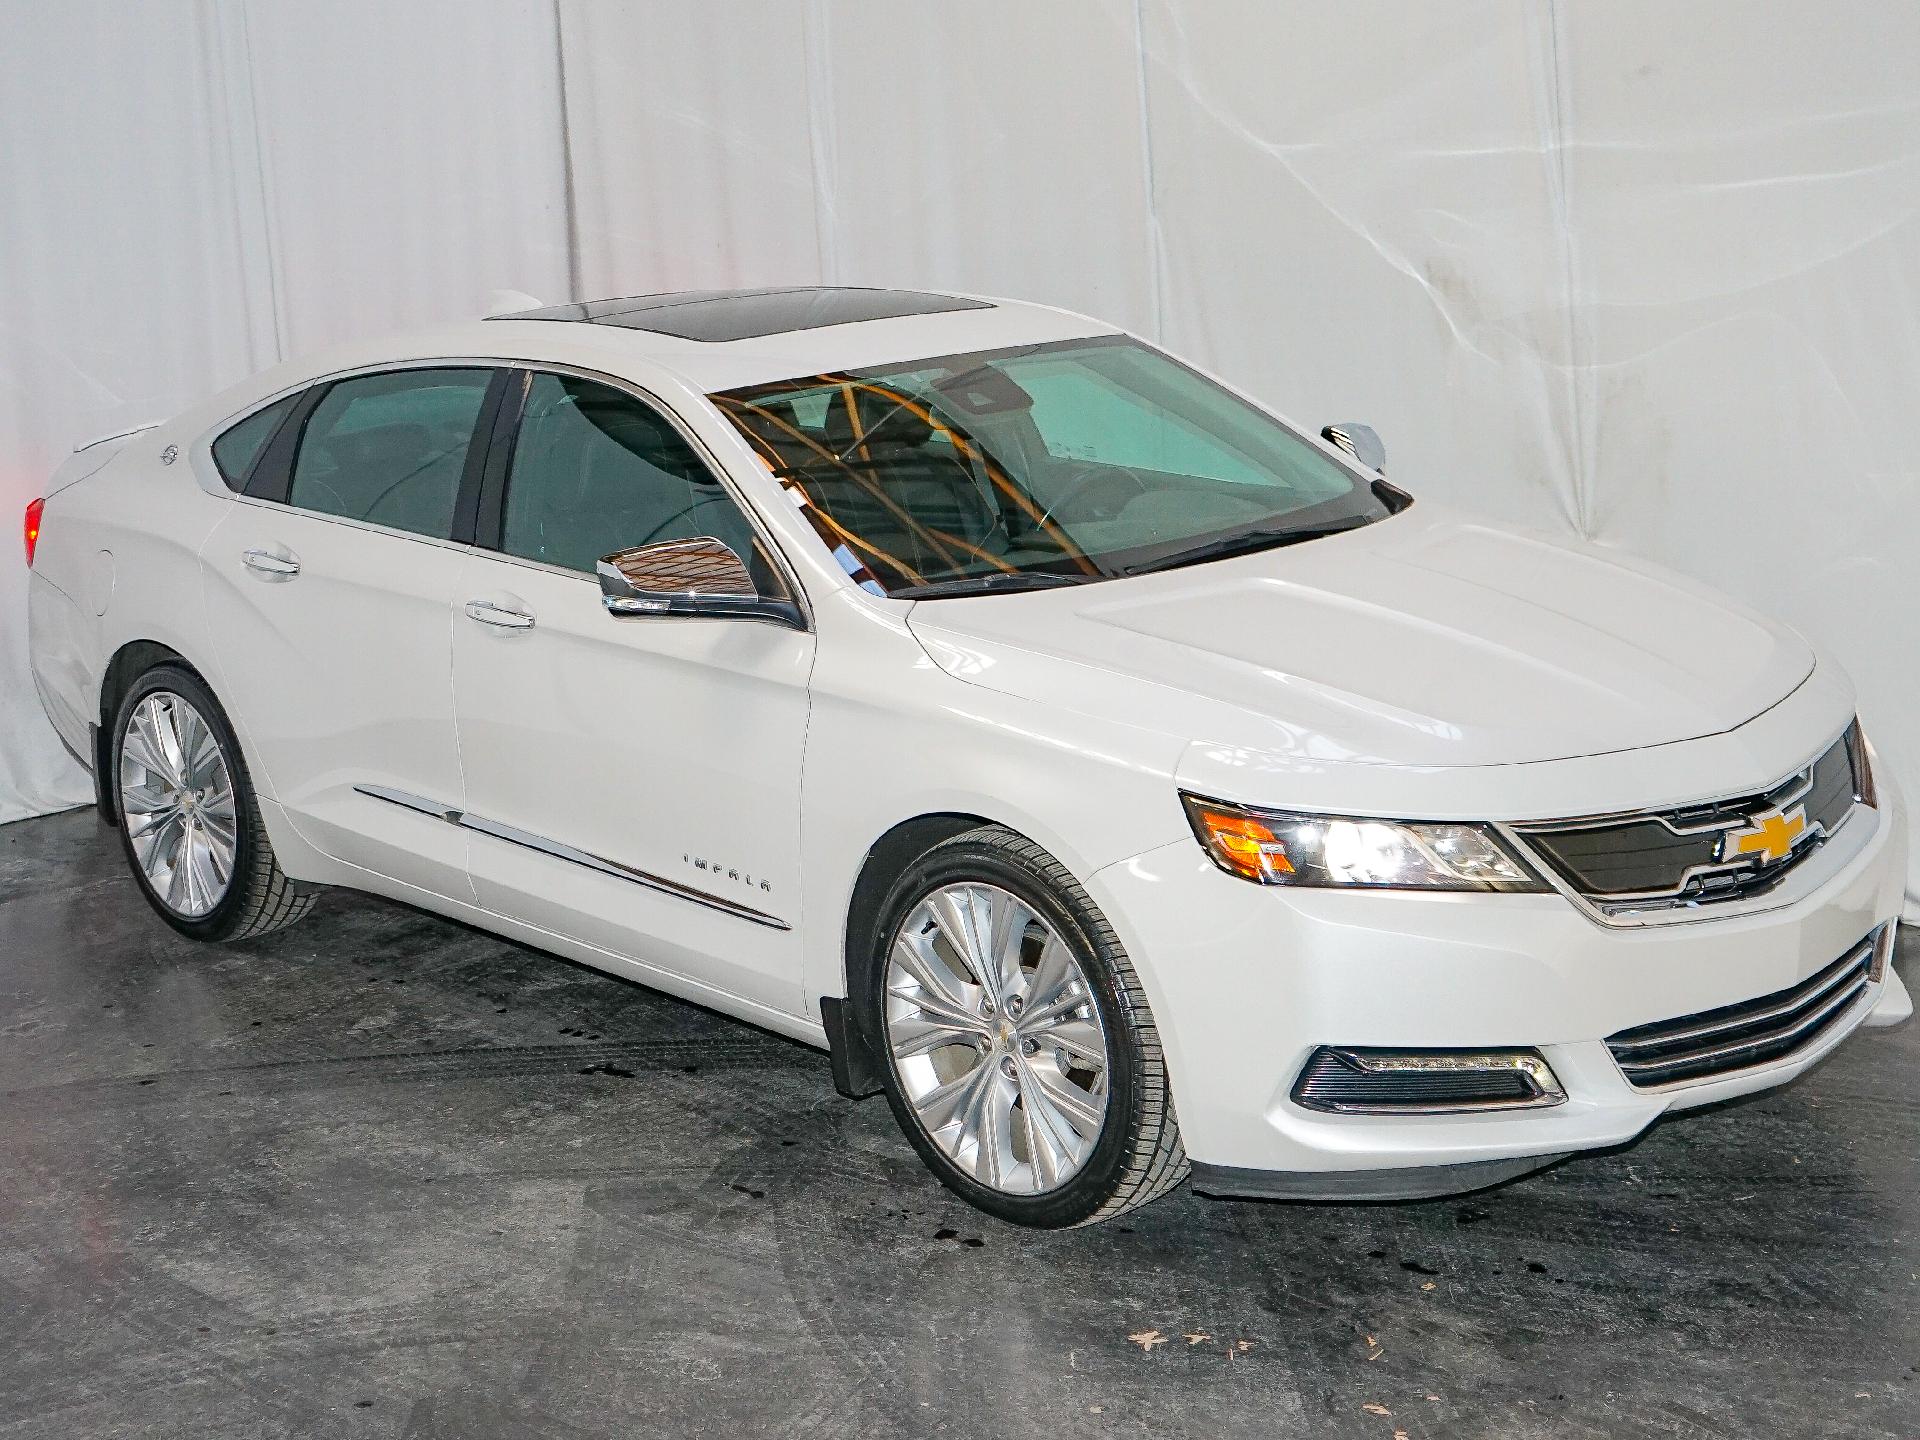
(631, 782)
(330, 589)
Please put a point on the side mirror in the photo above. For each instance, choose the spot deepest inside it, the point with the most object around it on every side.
(702, 576)
(1360, 442)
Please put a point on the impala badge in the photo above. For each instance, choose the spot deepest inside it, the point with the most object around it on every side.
(714, 867)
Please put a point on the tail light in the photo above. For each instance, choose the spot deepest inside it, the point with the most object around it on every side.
(34, 507)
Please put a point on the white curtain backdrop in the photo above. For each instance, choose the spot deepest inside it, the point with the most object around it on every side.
(1635, 273)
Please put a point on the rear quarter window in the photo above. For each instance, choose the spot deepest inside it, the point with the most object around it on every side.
(239, 446)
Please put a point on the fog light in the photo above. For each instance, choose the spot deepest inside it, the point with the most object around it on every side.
(1349, 1081)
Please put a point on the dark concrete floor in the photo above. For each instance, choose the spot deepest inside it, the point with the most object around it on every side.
(384, 1176)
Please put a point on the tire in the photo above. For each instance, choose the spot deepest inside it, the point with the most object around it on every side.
(255, 896)
(1036, 1164)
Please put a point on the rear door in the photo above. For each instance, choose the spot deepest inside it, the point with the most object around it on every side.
(330, 586)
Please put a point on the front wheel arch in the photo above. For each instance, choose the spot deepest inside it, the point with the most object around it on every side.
(856, 1058)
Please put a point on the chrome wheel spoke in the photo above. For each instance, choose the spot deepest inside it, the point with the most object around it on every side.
(1007, 921)
(1081, 1039)
(921, 1034)
(949, 1104)
(178, 884)
(208, 860)
(221, 834)
(1038, 1017)
(146, 803)
(1058, 1097)
(990, 1129)
(958, 913)
(200, 752)
(1051, 1160)
(1052, 974)
(1056, 1143)
(936, 982)
(143, 748)
(996, 1042)
(154, 840)
(163, 726)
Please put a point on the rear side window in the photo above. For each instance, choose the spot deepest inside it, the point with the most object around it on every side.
(390, 449)
(240, 445)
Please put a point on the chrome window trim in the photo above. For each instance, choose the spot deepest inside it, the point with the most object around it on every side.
(367, 525)
(526, 839)
(202, 448)
(1839, 848)
(202, 455)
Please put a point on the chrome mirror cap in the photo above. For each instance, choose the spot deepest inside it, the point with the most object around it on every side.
(700, 576)
(1359, 441)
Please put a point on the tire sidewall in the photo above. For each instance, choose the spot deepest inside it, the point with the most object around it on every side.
(966, 859)
(224, 918)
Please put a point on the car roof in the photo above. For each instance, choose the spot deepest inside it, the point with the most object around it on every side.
(775, 334)
(723, 339)
(720, 316)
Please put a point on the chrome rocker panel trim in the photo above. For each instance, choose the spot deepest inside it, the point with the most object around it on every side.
(528, 840)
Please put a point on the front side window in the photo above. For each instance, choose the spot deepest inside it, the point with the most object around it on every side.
(596, 470)
(1047, 464)
(240, 445)
(389, 449)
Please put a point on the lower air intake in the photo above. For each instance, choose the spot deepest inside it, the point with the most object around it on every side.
(1350, 1081)
(1738, 1037)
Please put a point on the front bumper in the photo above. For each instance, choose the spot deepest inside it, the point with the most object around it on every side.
(1246, 981)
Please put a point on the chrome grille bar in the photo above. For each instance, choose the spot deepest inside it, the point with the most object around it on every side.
(1715, 1043)
(1629, 867)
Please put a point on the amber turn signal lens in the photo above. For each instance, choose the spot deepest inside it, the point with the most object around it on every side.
(34, 507)
(1243, 844)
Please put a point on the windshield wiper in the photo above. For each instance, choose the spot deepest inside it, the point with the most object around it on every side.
(1246, 542)
(995, 583)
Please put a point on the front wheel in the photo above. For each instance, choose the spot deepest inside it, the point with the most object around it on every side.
(188, 817)
(1022, 1060)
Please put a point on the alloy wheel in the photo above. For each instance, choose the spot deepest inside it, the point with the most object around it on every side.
(177, 802)
(996, 1038)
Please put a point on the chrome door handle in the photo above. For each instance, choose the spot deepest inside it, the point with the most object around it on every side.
(488, 613)
(274, 567)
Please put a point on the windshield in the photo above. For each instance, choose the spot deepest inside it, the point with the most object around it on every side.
(1047, 464)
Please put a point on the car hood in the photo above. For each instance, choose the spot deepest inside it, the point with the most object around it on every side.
(1422, 640)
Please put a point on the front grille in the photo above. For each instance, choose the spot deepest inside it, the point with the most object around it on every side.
(1667, 859)
(1738, 1037)
(1382, 1082)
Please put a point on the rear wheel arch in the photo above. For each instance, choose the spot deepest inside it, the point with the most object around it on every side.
(127, 665)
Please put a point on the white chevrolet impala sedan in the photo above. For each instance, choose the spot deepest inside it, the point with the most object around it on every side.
(1127, 783)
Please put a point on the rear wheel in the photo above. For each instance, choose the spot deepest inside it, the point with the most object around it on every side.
(1022, 1059)
(188, 816)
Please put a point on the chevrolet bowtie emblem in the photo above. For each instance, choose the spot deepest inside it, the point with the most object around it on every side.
(1767, 837)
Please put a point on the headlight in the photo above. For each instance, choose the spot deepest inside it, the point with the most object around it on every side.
(1279, 847)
